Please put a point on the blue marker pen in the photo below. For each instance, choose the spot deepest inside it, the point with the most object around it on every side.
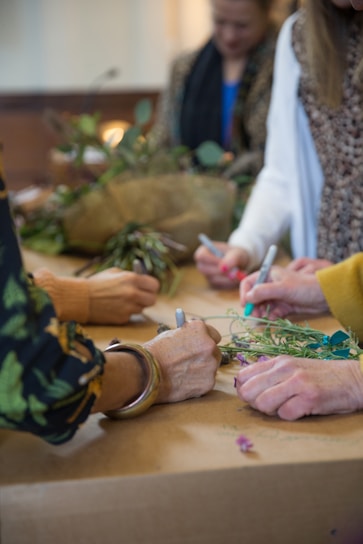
(264, 270)
(179, 317)
(207, 242)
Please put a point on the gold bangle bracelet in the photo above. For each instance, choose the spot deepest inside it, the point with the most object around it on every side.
(149, 394)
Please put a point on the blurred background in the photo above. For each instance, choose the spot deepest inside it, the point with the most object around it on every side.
(85, 55)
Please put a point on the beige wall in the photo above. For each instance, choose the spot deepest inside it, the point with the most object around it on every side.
(58, 45)
(64, 45)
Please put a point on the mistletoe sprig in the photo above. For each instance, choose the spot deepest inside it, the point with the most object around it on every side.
(259, 337)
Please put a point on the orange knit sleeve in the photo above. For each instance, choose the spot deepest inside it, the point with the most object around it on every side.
(70, 296)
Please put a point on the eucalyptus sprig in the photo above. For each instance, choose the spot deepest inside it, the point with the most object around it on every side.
(263, 337)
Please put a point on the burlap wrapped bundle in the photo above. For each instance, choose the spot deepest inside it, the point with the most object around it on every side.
(180, 205)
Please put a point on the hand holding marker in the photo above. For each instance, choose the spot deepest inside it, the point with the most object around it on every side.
(234, 273)
(179, 317)
(137, 266)
(264, 271)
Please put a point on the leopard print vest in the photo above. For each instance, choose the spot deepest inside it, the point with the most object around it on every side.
(338, 138)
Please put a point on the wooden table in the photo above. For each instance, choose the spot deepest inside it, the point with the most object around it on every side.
(175, 474)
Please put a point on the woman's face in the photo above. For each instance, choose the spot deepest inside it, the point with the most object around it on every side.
(356, 4)
(238, 26)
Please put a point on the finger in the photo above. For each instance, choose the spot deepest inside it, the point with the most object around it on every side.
(255, 369)
(265, 374)
(214, 334)
(270, 400)
(295, 408)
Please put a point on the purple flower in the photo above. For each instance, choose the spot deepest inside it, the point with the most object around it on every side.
(242, 359)
(244, 443)
(263, 358)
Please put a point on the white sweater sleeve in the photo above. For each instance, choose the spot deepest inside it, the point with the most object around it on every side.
(268, 213)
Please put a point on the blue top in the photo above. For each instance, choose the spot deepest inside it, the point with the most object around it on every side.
(229, 95)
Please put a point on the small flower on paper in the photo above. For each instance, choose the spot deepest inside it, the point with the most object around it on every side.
(244, 443)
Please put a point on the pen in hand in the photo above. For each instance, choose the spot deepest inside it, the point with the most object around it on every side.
(235, 272)
(264, 271)
(138, 267)
(179, 317)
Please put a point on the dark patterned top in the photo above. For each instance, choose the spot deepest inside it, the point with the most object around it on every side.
(250, 111)
(338, 138)
(47, 387)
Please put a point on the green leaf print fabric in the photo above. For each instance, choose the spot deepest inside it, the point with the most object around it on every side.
(40, 362)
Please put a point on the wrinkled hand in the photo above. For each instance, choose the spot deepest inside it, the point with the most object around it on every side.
(115, 295)
(188, 358)
(307, 265)
(285, 292)
(292, 388)
(217, 270)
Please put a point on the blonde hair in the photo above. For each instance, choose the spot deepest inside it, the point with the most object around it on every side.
(327, 34)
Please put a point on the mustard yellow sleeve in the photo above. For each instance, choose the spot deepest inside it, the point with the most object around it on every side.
(70, 296)
(342, 285)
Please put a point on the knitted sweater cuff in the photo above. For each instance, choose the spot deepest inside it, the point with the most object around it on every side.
(70, 296)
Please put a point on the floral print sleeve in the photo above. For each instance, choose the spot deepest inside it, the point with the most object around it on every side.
(47, 384)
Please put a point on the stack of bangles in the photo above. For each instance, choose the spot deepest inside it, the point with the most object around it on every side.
(152, 377)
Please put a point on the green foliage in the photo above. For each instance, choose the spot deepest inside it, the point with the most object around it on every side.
(263, 337)
(143, 112)
(209, 154)
(150, 249)
(42, 230)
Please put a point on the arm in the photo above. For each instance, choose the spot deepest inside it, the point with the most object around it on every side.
(292, 388)
(267, 214)
(342, 286)
(109, 297)
(52, 375)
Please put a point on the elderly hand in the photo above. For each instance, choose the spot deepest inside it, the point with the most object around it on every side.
(284, 293)
(188, 358)
(217, 270)
(115, 295)
(307, 265)
(292, 388)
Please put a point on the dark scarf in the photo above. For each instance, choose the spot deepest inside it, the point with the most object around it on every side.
(201, 108)
(200, 114)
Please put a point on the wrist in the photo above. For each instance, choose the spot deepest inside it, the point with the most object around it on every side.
(151, 372)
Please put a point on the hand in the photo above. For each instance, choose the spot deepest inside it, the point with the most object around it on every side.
(115, 295)
(188, 358)
(308, 265)
(292, 388)
(285, 292)
(217, 270)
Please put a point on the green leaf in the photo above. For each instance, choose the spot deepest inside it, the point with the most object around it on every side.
(209, 153)
(143, 111)
(343, 353)
(88, 124)
(129, 139)
(338, 337)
